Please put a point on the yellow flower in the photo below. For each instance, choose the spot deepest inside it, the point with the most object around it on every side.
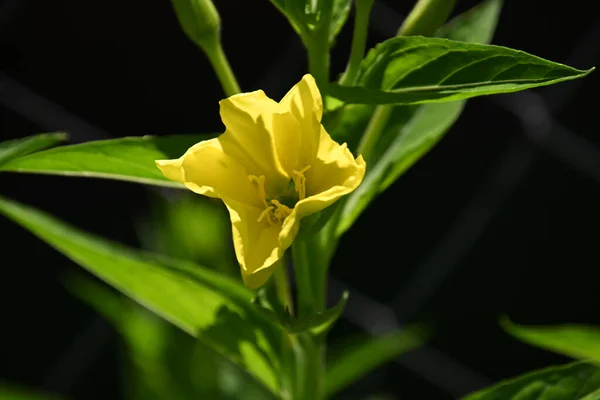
(274, 165)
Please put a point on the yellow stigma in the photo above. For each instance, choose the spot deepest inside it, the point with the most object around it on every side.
(300, 182)
(282, 211)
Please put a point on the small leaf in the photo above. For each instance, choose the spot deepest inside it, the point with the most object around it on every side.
(316, 323)
(357, 359)
(341, 9)
(16, 148)
(576, 341)
(319, 322)
(303, 20)
(199, 301)
(127, 159)
(416, 69)
(576, 381)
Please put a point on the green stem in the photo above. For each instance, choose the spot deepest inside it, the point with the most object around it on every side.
(304, 287)
(359, 41)
(218, 60)
(424, 19)
(376, 125)
(282, 285)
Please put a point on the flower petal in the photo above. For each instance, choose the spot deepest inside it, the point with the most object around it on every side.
(250, 136)
(206, 169)
(256, 243)
(306, 105)
(334, 166)
(320, 201)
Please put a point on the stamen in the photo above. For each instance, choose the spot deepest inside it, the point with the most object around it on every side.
(282, 210)
(260, 180)
(300, 182)
(266, 213)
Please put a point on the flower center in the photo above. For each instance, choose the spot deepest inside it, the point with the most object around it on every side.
(277, 209)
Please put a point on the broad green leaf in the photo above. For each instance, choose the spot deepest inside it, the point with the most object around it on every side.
(164, 362)
(16, 148)
(576, 341)
(354, 360)
(127, 159)
(202, 303)
(413, 130)
(416, 69)
(576, 381)
(316, 323)
(304, 17)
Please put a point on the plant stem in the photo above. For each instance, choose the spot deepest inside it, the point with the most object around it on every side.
(218, 60)
(359, 41)
(376, 125)
(425, 18)
(304, 287)
(282, 285)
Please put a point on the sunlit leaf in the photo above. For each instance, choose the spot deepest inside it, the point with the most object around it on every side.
(576, 381)
(416, 69)
(576, 341)
(199, 301)
(12, 149)
(127, 159)
(165, 363)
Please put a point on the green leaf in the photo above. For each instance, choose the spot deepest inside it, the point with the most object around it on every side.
(16, 148)
(127, 159)
(359, 358)
(416, 69)
(341, 9)
(304, 17)
(321, 321)
(164, 362)
(316, 323)
(202, 303)
(576, 381)
(412, 130)
(576, 341)
(477, 25)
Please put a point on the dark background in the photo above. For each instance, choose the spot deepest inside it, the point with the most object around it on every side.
(500, 218)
